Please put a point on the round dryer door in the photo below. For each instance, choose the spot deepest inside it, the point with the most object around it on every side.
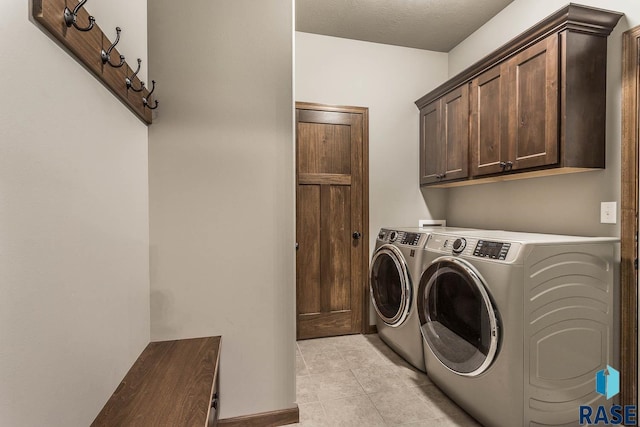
(390, 285)
(457, 318)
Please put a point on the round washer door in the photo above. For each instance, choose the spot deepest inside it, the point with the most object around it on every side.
(457, 319)
(390, 285)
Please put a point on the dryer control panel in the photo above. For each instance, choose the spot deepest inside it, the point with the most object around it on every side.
(493, 250)
(468, 246)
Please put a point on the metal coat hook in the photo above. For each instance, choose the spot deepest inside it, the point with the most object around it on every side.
(145, 100)
(129, 80)
(70, 17)
(106, 55)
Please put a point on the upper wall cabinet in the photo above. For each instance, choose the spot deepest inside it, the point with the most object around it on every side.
(444, 142)
(536, 106)
(514, 112)
(489, 121)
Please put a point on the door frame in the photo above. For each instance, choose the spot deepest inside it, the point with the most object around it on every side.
(365, 327)
(629, 217)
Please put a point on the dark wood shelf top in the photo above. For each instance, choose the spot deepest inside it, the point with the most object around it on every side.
(170, 384)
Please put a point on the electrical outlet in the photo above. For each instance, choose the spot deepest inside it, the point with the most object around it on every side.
(608, 214)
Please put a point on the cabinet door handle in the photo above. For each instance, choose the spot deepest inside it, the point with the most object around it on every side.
(509, 165)
(502, 165)
(356, 235)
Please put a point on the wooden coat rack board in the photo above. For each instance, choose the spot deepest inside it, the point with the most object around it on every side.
(87, 47)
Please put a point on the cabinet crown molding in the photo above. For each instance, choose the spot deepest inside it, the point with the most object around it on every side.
(573, 17)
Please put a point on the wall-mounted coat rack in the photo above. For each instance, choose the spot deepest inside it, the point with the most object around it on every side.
(71, 24)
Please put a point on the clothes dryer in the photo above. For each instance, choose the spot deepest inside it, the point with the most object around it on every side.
(516, 325)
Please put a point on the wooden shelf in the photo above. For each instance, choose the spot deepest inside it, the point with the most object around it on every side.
(86, 46)
(172, 383)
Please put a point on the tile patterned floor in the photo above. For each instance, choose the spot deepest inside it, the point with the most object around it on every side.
(358, 381)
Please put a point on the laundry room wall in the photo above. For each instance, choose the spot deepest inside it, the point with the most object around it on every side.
(386, 79)
(566, 204)
(222, 191)
(74, 239)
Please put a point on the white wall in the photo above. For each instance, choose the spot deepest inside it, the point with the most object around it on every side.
(386, 79)
(568, 204)
(74, 281)
(221, 191)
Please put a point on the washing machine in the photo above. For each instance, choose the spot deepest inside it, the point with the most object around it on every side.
(396, 266)
(516, 325)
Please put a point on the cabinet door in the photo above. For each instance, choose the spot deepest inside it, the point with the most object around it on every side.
(489, 119)
(533, 109)
(430, 143)
(455, 134)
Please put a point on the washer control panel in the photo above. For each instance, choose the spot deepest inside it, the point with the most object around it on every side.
(400, 237)
(411, 239)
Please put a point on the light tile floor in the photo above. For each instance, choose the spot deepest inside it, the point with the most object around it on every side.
(357, 380)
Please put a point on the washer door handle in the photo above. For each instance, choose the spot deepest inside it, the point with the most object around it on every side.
(356, 235)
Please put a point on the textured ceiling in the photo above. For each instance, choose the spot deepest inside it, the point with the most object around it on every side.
(437, 25)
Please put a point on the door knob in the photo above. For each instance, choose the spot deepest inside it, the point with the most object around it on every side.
(356, 235)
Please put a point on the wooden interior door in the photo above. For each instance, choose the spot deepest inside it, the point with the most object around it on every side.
(630, 213)
(331, 220)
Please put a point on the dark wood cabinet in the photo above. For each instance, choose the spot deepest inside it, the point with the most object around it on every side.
(444, 138)
(514, 112)
(430, 143)
(489, 121)
(534, 107)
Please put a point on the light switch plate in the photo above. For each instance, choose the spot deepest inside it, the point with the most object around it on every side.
(608, 212)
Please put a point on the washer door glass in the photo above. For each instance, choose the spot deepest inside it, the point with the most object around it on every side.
(390, 285)
(457, 318)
